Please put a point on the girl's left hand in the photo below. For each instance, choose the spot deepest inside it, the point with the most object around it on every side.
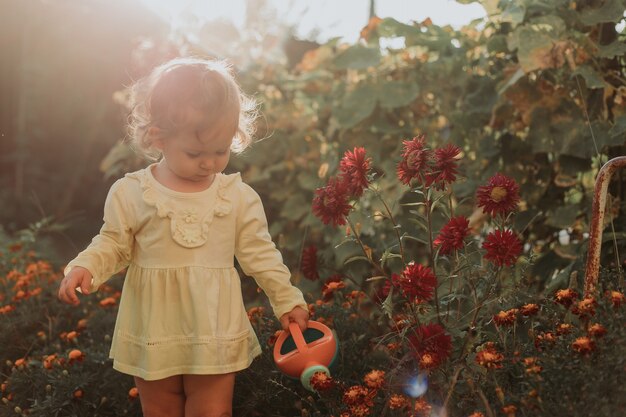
(297, 315)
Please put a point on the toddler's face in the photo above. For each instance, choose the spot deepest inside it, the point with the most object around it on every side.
(195, 154)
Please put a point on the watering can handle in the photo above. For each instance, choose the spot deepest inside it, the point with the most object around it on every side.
(296, 333)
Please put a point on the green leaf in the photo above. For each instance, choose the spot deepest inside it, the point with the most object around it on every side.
(617, 48)
(610, 11)
(514, 13)
(497, 43)
(563, 217)
(390, 28)
(619, 127)
(356, 258)
(397, 94)
(388, 304)
(358, 57)
(591, 76)
(295, 207)
(355, 106)
(535, 42)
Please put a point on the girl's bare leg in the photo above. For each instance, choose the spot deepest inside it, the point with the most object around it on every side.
(162, 397)
(209, 395)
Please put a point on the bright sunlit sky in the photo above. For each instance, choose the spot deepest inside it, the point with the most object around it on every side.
(329, 18)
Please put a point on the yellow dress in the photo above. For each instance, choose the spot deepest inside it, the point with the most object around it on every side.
(181, 309)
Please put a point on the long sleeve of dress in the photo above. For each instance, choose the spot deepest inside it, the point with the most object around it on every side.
(258, 256)
(109, 251)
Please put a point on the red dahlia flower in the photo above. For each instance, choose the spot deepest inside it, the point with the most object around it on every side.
(417, 282)
(416, 159)
(500, 195)
(431, 345)
(445, 167)
(330, 203)
(503, 247)
(308, 264)
(354, 167)
(452, 234)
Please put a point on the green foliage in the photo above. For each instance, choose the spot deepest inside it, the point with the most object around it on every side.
(536, 92)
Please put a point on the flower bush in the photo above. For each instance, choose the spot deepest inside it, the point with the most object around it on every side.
(446, 320)
(431, 300)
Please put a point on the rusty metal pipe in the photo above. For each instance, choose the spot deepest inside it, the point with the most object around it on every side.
(597, 221)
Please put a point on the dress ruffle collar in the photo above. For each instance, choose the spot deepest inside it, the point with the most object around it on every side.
(189, 228)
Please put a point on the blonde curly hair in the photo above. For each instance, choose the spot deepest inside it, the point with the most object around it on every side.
(164, 98)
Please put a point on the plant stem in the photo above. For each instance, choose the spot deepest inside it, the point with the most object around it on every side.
(367, 254)
(481, 394)
(431, 255)
(455, 379)
(395, 226)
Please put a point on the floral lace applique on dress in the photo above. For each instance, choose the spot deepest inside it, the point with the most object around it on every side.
(189, 228)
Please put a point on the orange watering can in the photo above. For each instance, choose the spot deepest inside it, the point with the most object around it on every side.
(301, 354)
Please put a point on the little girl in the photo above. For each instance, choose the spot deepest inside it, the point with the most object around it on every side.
(182, 329)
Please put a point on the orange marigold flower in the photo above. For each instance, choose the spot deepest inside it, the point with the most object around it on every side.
(78, 393)
(357, 394)
(506, 318)
(617, 298)
(133, 393)
(355, 295)
(82, 324)
(397, 401)
(422, 408)
(375, 379)
(565, 297)
(564, 328)
(107, 302)
(544, 338)
(321, 381)
(489, 357)
(331, 287)
(7, 309)
(393, 346)
(597, 330)
(585, 307)
(509, 410)
(531, 366)
(583, 345)
(71, 336)
(529, 309)
(49, 360)
(20, 362)
(359, 410)
(76, 355)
